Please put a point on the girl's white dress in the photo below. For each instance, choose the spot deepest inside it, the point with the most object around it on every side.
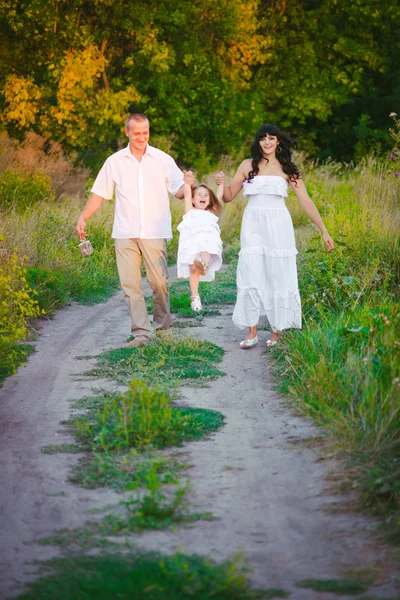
(267, 273)
(199, 232)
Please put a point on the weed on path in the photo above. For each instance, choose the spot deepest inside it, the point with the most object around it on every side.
(164, 361)
(151, 576)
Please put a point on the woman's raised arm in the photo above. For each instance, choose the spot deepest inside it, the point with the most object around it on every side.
(232, 190)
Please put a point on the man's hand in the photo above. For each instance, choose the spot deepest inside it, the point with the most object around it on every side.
(80, 228)
(188, 178)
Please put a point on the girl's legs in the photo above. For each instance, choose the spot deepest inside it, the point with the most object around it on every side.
(276, 335)
(205, 257)
(194, 279)
(202, 264)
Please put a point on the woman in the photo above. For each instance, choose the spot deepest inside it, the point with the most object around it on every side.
(267, 273)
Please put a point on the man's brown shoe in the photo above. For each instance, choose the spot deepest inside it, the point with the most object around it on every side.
(136, 343)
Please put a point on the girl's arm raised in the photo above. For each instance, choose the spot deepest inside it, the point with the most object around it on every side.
(221, 181)
(311, 210)
(187, 197)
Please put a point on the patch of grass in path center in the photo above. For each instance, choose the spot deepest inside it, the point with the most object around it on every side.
(149, 576)
(164, 361)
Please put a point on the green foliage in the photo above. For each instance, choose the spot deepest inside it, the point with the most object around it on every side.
(395, 153)
(22, 190)
(369, 138)
(124, 471)
(152, 509)
(163, 361)
(11, 357)
(343, 368)
(340, 587)
(207, 73)
(143, 417)
(17, 307)
(57, 272)
(51, 288)
(152, 576)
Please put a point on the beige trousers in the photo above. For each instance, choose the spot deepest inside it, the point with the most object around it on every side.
(129, 254)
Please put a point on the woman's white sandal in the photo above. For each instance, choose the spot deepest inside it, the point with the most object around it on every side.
(270, 343)
(200, 266)
(195, 303)
(249, 343)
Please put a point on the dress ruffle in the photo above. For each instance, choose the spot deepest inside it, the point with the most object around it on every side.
(266, 184)
(281, 307)
(199, 232)
(263, 251)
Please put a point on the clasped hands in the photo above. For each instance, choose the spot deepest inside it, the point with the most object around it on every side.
(188, 177)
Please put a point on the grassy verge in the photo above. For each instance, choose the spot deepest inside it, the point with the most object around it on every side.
(19, 354)
(165, 361)
(152, 576)
(344, 367)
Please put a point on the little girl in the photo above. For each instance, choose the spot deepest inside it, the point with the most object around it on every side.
(200, 246)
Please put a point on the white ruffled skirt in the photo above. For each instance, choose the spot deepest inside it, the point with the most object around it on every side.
(199, 232)
(267, 273)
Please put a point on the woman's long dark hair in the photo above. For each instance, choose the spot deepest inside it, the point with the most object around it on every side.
(283, 152)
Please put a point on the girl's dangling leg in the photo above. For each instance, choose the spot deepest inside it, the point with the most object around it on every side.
(194, 279)
(202, 264)
(205, 257)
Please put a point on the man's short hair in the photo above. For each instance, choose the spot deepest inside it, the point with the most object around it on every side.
(136, 117)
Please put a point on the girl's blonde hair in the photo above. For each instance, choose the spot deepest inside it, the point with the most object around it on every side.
(214, 205)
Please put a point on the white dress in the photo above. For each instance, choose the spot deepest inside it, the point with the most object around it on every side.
(267, 273)
(199, 232)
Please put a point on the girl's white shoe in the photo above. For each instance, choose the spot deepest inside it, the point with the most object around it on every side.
(249, 343)
(195, 303)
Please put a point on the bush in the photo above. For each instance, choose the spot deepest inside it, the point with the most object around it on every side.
(20, 190)
(139, 418)
(16, 308)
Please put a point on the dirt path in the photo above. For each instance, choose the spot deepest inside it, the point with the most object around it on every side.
(267, 492)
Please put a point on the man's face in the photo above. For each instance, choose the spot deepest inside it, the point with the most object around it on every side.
(138, 133)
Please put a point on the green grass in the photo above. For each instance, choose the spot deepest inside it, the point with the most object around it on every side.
(142, 418)
(148, 509)
(150, 576)
(164, 361)
(340, 587)
(343, 368)
(62, 448)
(124, 471)
(119, 433)
(20, 353)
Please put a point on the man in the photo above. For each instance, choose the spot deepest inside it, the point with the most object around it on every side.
(141, 177)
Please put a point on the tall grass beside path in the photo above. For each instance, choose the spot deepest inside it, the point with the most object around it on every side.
(55, 269)
(344, 367)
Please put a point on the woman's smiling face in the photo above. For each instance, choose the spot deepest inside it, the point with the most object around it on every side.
(201, 198)
(269, 144)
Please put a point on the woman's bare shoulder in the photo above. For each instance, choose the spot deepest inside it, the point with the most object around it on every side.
(245, 167)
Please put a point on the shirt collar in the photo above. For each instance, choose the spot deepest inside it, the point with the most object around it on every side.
(149, 150)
